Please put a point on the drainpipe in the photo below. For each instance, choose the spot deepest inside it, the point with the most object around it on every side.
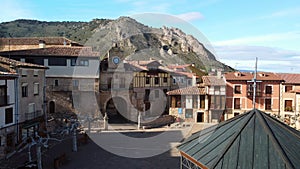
(44, 100)
(16, 90)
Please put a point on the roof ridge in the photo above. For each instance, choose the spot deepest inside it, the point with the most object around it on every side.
(236, 135)
(279, 149)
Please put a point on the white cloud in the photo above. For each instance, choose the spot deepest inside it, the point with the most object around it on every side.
(252, 40)
(13, 9)
(283, 13)
(269, 59)
(190, 16)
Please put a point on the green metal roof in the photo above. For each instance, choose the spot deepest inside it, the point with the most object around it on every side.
(251, 140)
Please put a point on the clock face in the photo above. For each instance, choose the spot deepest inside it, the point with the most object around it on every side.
(116, 60)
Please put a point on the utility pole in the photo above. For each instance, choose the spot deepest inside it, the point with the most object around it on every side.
(254, 83)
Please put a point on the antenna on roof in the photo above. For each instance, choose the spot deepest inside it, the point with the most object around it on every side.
(254, 83)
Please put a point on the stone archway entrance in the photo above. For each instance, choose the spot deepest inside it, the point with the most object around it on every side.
(51, 107)
(116, 109)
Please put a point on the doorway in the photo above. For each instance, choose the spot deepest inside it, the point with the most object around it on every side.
(200, 117)
(51, 107)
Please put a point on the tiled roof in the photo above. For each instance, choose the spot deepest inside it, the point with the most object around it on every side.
(249, 76)
(8, 74)
(251, 140)
(189, 75)
(191, 90)
(142, 62)
(36, 40)
(178, 66)
(55, 51)
(290, 78)
(134, 64)
(8, 65)
(213, 81)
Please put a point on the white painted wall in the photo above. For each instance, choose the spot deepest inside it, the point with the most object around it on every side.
(90, 71)
(189, 102)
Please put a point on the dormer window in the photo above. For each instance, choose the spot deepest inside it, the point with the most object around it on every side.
(237, 74)
(262, 74)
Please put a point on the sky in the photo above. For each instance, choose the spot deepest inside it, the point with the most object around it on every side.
(238, 31)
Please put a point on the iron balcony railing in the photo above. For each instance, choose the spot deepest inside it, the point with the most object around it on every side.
(33, 115)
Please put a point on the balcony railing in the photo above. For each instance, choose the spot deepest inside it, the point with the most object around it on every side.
(250, 93)
(33, 115)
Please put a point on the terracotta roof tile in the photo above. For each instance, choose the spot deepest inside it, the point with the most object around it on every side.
(8, 65)
(55, 51)
(290, 78)
(213, 81)
(191, 90)
(178, 66)
(36, 40)
(249, 76)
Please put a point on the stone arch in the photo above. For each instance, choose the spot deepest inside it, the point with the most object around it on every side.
(117, 110)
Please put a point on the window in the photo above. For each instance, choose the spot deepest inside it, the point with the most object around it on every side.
(174, 81)
(189, 82)
(202, 101)
(24, 89)
(147, 93)
(288, 105)
(9, 115)
(268, 104)
(237, 103)
(156, 80)
(195, 101)
(3, 97)
(55, 82)
(109, 81)
(236, 114)
(38, 61)
(57, 62)
(35, 73)
(147, 80)
(36, 88)
(165, 79)
(189, 113)
(237, 89)
(24, 73)
(79, 62)
(268, 89)
(288, 88)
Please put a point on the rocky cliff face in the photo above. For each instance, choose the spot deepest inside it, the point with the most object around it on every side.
(137, 41)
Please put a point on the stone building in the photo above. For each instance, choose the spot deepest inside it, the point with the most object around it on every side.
(25, 97)
(73, 72)
(131, 87)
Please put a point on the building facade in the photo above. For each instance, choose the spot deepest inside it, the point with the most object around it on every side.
(23, 101)
(290, 99)
(189, 104)
(8, 119)
(239, 93)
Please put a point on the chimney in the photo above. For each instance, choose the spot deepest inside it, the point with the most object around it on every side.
(194, 81)
(42, 44)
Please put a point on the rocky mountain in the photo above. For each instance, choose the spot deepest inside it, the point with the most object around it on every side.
(137, 41)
